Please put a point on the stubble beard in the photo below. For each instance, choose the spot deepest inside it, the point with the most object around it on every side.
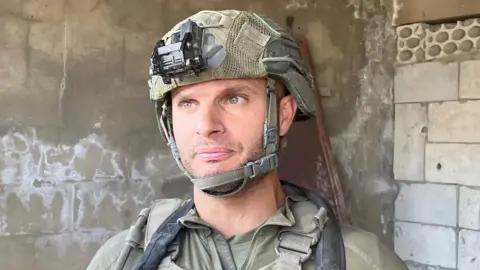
(252, 154)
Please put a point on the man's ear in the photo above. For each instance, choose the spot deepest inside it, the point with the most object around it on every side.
(286, 110)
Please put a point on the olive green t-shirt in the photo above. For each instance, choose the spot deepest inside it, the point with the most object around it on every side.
(204, 249)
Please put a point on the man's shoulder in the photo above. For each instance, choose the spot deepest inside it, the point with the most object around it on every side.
(106, 257)
(365, 251)
(108, 254)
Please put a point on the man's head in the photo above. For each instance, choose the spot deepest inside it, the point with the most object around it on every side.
(226, 86)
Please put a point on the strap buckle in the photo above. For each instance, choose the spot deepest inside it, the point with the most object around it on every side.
(297, 244)
(262, 165)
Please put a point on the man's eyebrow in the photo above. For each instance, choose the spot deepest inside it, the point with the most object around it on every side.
(239, 89)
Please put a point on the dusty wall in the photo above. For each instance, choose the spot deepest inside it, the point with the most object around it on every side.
(79, 150)
(437, 145)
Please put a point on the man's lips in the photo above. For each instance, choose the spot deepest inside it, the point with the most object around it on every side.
(214, 153)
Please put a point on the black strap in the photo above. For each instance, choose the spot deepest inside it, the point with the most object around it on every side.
(330, 253)
(162, 238)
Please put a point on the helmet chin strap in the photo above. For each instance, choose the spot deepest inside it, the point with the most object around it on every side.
(251, 169)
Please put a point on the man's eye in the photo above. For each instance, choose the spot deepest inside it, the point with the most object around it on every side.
(235, 100)
(186, 104)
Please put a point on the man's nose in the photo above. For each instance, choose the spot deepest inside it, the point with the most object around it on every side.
(209, 121)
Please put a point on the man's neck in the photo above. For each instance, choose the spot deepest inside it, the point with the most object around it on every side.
(243, 212)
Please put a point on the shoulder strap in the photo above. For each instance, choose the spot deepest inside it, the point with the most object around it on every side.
(162, 238)
(134, 238)
(330, 252)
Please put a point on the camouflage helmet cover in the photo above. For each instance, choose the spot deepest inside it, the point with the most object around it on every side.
(240, 44)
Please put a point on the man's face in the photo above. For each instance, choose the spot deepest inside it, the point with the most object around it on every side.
(218, 125)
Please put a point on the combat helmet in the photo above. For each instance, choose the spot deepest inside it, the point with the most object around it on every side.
(230, 44)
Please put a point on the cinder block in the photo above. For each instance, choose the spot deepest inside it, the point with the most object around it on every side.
(104, 204)
(56, 252)
(426, 82)
(82, 6)
(409, 145)
(469, 79)
(422, 203)
(469, 250)
(12, 6)
(451, 39)
(51, 39)
(411, 43)
(138, 47)
(469, 208)
(16, 253)
(452, 163)
(454, 122)
(13, 59)
(44, 10)
(29, 210)
(426, 244)
(112, 205)
(88, 159)
(92, 159)
(95, 34)
(415, 266)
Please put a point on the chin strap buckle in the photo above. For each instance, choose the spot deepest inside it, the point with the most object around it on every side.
(263, 165)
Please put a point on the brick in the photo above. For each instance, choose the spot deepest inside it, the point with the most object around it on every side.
(30, 210)
(469, 80)
(44, 10)
(16, 252)
(421, 203)
(426, 82)
(469, 208)
(409, 145)
(454, 122)
(452, 163)
(76, 250)
(426, 244)
(469, 250)
(13, 61)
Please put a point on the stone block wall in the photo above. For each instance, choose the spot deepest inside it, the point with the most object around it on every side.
(437, 145)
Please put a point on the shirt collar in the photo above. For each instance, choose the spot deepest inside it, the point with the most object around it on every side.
(282, 217)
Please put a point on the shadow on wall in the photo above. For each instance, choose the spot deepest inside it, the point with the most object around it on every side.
(80, 153)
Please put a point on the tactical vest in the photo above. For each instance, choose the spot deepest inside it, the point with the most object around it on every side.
(312, 228)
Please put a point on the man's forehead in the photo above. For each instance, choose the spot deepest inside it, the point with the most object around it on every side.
(220, 86)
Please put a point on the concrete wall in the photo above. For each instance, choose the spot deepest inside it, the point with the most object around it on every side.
(80, 153)
(437, 145)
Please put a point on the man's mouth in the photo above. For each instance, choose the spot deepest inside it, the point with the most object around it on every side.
(213, 153)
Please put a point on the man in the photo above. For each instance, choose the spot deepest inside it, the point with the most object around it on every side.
(227, 86)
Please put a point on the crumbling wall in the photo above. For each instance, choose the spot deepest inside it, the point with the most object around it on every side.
(437, 144)
(80, 153)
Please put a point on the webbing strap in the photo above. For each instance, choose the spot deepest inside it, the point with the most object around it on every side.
(250, 170)
(162, 238)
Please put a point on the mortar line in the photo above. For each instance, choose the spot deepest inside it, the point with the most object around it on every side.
(426, 224)
(457, 234)
(427, 124)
